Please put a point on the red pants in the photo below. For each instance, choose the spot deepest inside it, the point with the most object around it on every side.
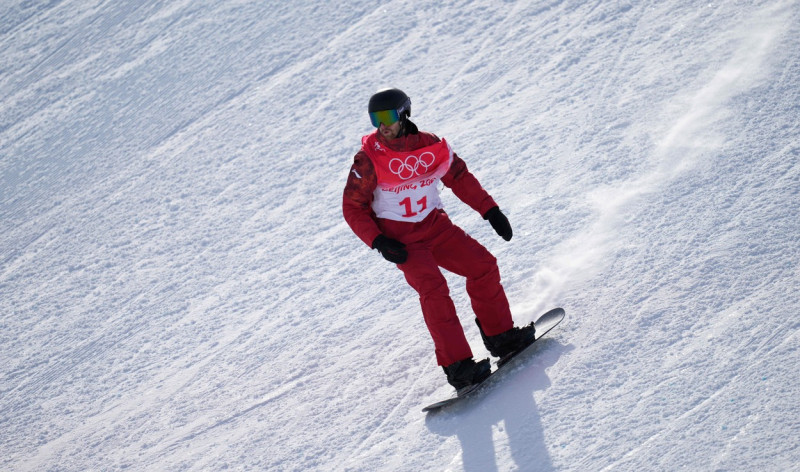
(449, 247)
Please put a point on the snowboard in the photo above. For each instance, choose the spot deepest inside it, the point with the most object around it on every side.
(543, 325)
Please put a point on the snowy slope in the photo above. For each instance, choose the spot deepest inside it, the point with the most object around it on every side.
(179, 291)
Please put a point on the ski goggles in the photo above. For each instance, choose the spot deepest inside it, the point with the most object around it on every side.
(385, 117)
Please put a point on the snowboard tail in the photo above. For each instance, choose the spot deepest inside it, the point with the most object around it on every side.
(543, 325)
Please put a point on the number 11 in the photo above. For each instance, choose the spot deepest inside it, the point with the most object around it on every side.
(407, 204)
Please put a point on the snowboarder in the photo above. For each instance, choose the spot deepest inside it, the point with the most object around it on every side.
(391, 202)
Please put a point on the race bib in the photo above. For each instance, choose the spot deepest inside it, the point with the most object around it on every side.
(408, 181)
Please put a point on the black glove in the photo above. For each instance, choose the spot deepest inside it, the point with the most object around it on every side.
(391, 249)
(499, 222)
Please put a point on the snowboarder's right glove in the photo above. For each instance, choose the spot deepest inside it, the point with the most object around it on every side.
(391, 249)
(499, 222)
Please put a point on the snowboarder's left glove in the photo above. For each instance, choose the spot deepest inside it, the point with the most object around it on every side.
(499, 222)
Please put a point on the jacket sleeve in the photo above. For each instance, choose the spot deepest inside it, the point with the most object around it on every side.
(357, 199)
(466, 187)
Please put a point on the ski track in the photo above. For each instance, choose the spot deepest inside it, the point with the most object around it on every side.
(178, 290)
(678, 151)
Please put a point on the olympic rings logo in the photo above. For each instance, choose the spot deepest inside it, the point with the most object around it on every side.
(412, 166)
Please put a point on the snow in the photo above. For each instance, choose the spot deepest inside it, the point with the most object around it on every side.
(179, 291)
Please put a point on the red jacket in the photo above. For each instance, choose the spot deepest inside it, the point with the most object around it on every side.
(362, 182)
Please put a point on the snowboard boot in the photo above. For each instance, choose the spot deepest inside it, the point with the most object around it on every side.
(509, 342)
(463, 374)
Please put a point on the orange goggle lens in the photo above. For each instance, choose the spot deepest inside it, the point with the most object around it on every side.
(387, 117)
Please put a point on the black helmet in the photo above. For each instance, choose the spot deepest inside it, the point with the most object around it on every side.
(390, 99)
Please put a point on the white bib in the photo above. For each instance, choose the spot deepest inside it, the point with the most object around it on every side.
(408, 181)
